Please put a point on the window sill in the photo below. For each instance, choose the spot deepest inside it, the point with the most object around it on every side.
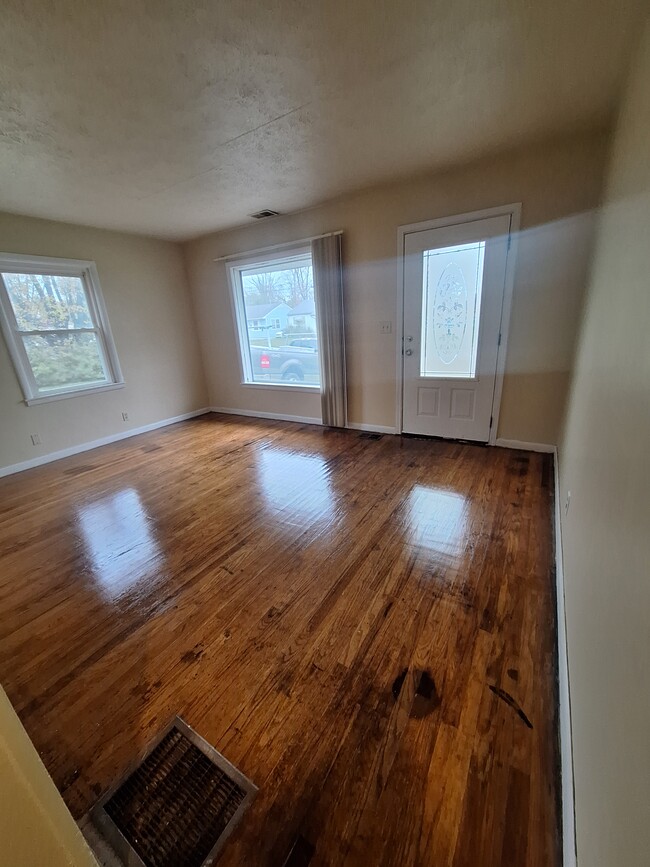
(276, 386)
(78, 392)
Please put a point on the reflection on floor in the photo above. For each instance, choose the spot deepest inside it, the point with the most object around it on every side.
(365, 628)
(119, 542)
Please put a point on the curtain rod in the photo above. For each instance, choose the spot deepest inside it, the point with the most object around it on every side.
(272, 247)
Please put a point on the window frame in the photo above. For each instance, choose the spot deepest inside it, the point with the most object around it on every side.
(86, 271)
(234, 268)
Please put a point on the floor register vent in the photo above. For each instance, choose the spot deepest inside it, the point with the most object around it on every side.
(177, 807)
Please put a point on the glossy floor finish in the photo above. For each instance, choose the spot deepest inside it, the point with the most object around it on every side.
(365, 628)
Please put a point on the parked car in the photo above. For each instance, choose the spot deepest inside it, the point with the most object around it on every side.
(296, 362)
(306, 342)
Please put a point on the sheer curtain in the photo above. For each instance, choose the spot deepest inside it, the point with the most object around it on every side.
(328, 283)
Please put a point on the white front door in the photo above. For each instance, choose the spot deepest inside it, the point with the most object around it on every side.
(454, 280)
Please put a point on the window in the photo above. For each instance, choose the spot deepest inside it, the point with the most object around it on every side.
(56, 328)
(274, 350)
(452, 283)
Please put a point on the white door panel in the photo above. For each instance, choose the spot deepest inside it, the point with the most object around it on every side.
(454, 279)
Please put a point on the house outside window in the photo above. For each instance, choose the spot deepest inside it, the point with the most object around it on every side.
(303, 317)
(275, 348)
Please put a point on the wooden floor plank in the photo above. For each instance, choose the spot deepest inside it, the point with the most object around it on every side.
(363, 627)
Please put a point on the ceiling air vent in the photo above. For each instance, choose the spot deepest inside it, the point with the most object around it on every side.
(262, 215)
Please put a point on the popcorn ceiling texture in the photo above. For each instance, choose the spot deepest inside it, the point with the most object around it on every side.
(179, 118)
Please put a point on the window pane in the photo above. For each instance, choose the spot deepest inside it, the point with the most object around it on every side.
(43, 301)
(451, 306)
(65, 360)
(281, 329)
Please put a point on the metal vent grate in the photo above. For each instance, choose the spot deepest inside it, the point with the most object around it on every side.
(178, 806)
(370, 436)
(262, 215)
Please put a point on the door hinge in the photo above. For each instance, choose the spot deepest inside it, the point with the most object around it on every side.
(499, 340)
(509, 241)
(491, 420)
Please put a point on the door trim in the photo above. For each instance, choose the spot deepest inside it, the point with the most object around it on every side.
(514, 210)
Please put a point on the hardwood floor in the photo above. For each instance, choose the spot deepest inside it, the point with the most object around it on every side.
(365, 628)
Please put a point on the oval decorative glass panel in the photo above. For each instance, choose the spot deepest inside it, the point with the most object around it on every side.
(450, 313)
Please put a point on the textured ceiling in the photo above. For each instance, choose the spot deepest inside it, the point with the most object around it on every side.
(177, 118)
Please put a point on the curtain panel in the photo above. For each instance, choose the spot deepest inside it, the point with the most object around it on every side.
(328, 283)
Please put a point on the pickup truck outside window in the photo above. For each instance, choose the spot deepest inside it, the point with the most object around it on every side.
(276, 319)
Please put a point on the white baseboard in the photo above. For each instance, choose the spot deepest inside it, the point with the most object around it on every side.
(94, 444)
(547, 448)
(566, 740)
(371, 428)
(259, 414)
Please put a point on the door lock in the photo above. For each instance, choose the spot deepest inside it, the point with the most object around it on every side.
(408, 352)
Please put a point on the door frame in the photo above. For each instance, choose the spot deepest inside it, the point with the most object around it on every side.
(514, 210)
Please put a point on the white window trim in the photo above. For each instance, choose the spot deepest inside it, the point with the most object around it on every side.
(241, 263)
(278, 386)
(87, 271)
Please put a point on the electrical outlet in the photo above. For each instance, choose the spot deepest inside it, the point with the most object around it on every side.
(567, 503)
(386, 327)
(36, 439)
(125, 416)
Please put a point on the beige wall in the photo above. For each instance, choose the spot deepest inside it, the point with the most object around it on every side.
(604, 462)
(145, 289)
(558, 183)
(35, 825)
